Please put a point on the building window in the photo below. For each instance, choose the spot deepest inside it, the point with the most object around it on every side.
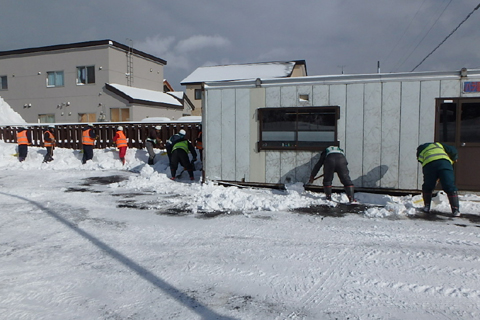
(55, 79)
(3, 83)
(119, 114)
(87, 117)
(46, 118)
(198, 94)
(302, 128)
(85, 75)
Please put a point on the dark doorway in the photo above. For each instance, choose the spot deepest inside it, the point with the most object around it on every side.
(458, 124)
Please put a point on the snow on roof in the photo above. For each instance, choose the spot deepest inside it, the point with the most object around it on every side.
(146, 95)
(241, 72)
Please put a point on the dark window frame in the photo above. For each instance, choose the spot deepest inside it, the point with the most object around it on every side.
(88, 77)
(198, 94)
(3, 83)
(299, 144)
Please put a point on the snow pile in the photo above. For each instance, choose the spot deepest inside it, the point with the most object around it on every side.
(194, 197)
(8, 115)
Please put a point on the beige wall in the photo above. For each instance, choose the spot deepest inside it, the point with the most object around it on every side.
(190, 92)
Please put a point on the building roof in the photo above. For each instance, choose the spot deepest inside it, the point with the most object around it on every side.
(278, 69)
(145, 96)
(83, 45)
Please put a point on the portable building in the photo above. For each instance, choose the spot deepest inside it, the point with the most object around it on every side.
(271, 131)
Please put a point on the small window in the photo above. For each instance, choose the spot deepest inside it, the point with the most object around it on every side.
(119, 114)
(304, 128)
(85, 75)
(303, 97)
(55, 79)
(87, 117)
(3, 83)
(46, 118)
(198, 94)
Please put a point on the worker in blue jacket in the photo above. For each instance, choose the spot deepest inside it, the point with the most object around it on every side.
(437, 164)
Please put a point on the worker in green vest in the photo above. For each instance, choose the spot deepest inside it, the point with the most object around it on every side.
(178, 147)
(437, 164)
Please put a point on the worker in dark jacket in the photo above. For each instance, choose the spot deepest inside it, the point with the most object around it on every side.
(177, 149)
(333, 159)
(437, 164)
(24, 139)
(49, 143)
(88, 141)
(153, 140)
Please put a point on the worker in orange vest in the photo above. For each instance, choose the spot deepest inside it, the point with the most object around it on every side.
(88, 140)
(24, 139)
(49, 143)
(199, 143)
(122, 143)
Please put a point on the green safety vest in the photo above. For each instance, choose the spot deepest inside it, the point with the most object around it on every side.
(434, 151)
(181, 145)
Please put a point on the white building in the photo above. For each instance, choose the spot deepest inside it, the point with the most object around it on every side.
(271, 131)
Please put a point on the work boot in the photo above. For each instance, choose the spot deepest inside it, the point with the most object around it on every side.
(328, 192)
(454, 203)
(427, 199)
(349, 190)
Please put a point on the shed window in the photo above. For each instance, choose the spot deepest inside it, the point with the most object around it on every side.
(303, 128)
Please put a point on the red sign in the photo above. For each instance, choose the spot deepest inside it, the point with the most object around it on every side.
(471, 86)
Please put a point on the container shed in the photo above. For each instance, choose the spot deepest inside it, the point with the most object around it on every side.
(271, 131)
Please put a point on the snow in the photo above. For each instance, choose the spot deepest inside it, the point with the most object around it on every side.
(240, 72)
(8, 116)
(147, 95)
(106, 241)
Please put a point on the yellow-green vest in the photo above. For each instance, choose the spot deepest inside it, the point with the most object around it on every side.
(434, 151)
(181, 145)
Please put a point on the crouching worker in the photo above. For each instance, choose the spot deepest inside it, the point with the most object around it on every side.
(122, 143)
(177, 149)
(333, 159)
(437, 164)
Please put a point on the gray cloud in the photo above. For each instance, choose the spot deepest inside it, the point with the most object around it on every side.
(330, 35)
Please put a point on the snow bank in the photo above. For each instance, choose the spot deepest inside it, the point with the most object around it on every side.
(209, 197)
(8, 116)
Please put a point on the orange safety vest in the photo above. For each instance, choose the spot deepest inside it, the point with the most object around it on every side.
(199, 144)
(49, 143)
(22, 137)
(86, 139)
(121, 140)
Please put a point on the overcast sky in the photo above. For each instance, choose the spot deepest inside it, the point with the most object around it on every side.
(330, 35)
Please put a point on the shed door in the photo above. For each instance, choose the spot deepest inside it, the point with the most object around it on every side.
(458, 124)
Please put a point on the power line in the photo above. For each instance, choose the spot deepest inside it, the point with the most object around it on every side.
(468, 16)
(426, 34)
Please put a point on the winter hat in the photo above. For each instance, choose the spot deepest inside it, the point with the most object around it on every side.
(182, 132)
(120, 128)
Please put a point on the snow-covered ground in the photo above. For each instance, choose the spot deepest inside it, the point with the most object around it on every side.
(104, 241)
